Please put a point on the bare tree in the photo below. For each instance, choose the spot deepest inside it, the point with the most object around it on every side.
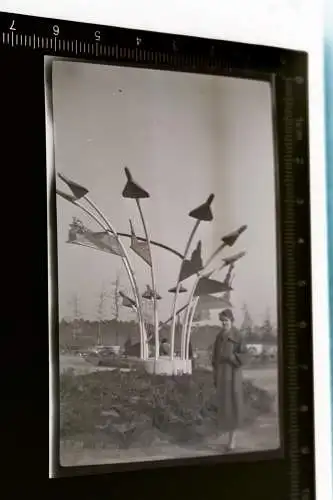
(267, 329)
(115, 305)
(76, 316)
(247, 324)
(101, 315)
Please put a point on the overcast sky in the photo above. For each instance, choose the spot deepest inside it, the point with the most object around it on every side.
(183, 136)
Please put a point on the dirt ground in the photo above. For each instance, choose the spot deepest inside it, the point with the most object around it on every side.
(262, 435)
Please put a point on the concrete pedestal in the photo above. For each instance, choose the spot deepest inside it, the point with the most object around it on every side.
(166, 366)
(115, 349)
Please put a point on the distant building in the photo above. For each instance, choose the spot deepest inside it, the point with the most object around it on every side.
(256, 349)
(261, 348)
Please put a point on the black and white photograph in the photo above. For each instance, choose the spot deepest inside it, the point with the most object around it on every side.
(167, 264)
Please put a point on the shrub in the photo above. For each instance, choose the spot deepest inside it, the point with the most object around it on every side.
(134, 408)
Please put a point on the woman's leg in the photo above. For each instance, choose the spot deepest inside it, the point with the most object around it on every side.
(232, 440)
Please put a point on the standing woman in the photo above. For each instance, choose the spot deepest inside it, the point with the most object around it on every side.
(229, 354)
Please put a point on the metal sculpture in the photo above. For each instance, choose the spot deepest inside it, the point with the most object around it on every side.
(228, 261)
(80, 240)
(197, 290)
(80, 192)
(132, 190)
(203, 294)
(181, 289)
(201, 213)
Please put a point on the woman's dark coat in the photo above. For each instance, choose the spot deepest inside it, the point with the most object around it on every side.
(229, 354)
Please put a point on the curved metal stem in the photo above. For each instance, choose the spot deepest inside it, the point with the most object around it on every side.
(127, 267)
(227, 280)
(131, 275)
(190, 300)
(153, 283)
(174, 305)
(229, 273)
(154, 243)
(189, 329)
(163, 323)
(214, 254)
(187, 316)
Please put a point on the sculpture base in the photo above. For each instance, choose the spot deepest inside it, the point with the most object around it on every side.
(115, 349)
(166, 366)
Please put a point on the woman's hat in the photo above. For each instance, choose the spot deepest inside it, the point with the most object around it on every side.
(227, 313)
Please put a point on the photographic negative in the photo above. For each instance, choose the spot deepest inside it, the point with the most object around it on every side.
(167, 252)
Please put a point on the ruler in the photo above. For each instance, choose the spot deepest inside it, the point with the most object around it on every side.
(81, 40)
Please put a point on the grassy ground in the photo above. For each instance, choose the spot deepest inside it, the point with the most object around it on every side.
(128, 414)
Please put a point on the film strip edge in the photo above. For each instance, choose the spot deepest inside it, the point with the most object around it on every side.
(297, 257)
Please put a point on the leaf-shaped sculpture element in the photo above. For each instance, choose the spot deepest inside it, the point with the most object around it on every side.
(192, 266)
(231, 238)
(149, 294)
(82, 244)
(203, 212)
(228, 261)
(140, 247)
(226, 298)
(67, 197)
(209, 302)
(106, 242)
(200, 316)
(207, 286)
(181, 289)
(99, 241)
(132, 189)
(127, 301)
(77, 190)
